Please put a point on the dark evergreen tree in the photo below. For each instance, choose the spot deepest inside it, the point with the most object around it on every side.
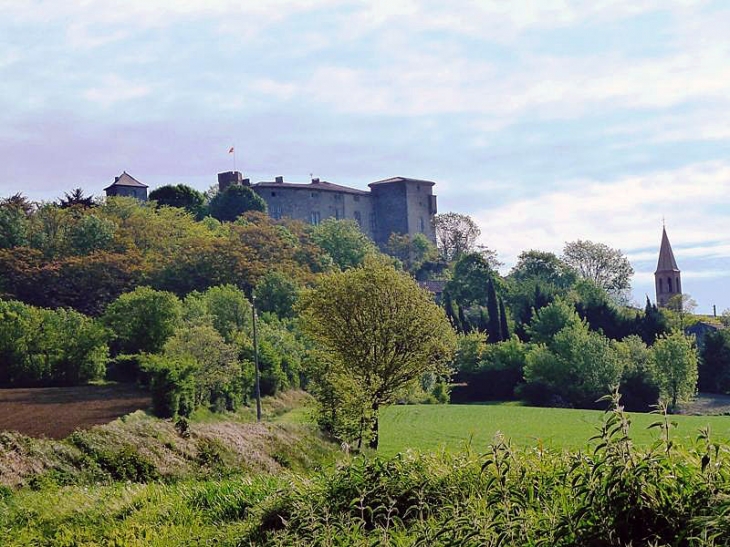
(450, 313)
(493, 311)
(503, 327)
(76, 199)
(463, 321)
(652, 324)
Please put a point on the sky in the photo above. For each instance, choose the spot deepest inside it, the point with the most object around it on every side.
(547, 121)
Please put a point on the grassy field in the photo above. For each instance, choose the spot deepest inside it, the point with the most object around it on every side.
(454, 427)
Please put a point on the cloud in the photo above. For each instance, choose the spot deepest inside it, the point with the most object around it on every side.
(114, 89)
(623, 213)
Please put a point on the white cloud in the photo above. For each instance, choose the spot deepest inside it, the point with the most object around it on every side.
(114, 89)
(624, 213)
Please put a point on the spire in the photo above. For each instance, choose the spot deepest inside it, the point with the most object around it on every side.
(666, 262)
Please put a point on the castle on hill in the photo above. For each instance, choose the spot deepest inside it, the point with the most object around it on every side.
(398, 205)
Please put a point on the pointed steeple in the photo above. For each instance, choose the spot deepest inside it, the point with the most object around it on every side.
(666, 262)
(667, 278)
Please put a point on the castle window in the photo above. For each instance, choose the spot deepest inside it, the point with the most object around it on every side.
(669, 282)
(358, 218)
(276, 212)
(315, 194)
(273, 194)
(357, 198)
(422, 225)
(338, 197)
(661, 285)
(314, 217)
(372, 222)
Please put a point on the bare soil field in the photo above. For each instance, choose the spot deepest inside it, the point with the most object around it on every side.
(55, 412)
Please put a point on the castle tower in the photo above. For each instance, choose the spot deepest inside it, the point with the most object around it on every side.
(667, 278)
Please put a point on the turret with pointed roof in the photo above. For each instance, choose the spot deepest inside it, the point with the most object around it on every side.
(126, 185)
(667, 278)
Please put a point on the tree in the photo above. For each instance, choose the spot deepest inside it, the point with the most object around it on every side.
(550, 320)
(456, 234)
(675, 359)
(143, 320)
(714, 367)
(234, 201)
(76, 199)
(544, 267)
(470, 280)
(277, 292)
(343, 241)
(682, 306)
(413, 251)
(576, 367)
(382, 331)
(90, 233)
(606, 267)
(180, 195)
(493, 325)
(14, 227)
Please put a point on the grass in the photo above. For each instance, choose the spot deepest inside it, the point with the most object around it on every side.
(454, 427)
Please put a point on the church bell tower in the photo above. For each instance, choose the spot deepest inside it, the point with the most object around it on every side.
(667, 278)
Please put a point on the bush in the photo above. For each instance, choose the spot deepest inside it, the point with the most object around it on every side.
(49, 347)
(172, 385)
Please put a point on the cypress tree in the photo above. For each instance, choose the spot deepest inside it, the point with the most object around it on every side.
(503, 327)
(464, 322)
(493, 311)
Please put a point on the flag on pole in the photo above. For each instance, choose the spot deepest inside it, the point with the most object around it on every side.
(230, 150)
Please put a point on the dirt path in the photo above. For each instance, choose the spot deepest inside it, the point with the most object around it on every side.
(708, 404)
(56, 412)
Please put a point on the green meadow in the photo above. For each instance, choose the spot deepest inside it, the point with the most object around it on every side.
(456, 427)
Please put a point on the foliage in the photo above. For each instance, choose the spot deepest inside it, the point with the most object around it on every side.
(456, 235)
(469, 282)
(606, 267)
(76, 199)
(490, 372)
(216, 372)
(575, 368)
(412, 251)
(382, 330)
(180, 195)
(142, 320)
(234, 201)
(639, 388)
(675, 359)
(49, 347)
(550, 320)
(343, 241)
(276, 292)
(544, 267)
(89, 234)
(714, 364)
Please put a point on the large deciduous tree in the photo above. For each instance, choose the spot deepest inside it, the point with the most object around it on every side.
(606, 267)
(675, 361)
(180, 195)
(343, 241)
(234, 201)
(381, 331)
(456, 235)
(143, 320)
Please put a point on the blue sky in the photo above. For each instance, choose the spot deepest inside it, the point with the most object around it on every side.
(547, 121)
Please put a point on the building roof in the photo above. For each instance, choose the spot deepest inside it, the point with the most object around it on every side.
(126, 179)
(666, 262)
(316, 184)
(400, 179)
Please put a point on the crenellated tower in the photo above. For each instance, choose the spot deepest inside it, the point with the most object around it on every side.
(667, 278)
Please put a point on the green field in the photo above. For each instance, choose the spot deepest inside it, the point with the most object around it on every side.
(454, 427)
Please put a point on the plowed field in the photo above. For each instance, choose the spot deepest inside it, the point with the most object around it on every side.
(57, 411)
